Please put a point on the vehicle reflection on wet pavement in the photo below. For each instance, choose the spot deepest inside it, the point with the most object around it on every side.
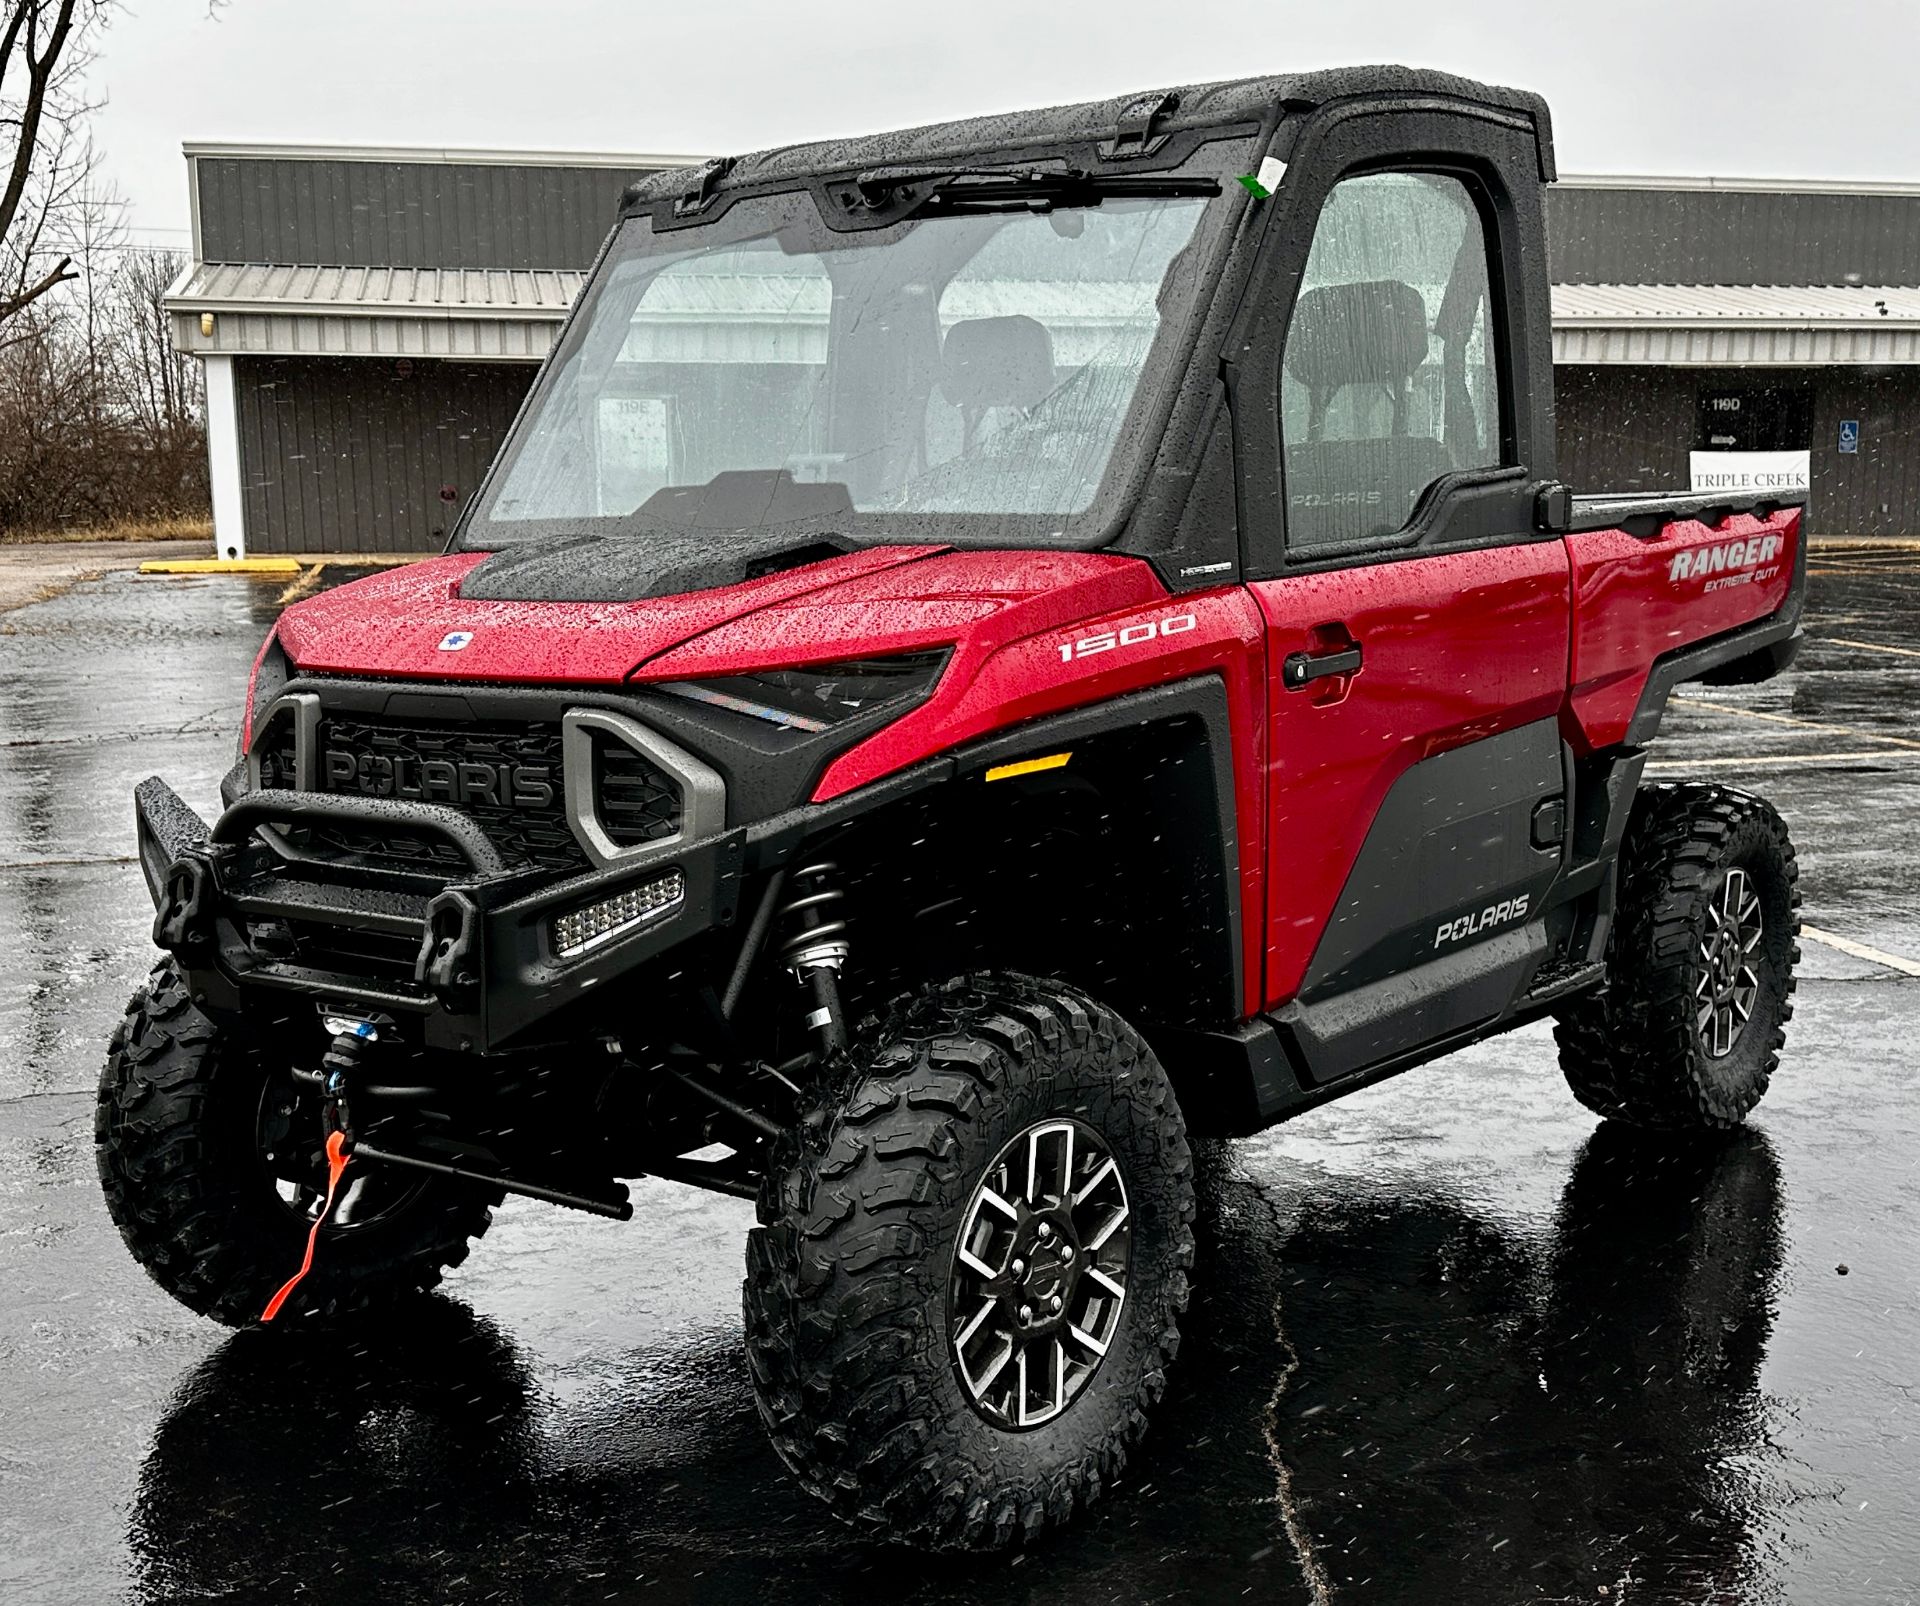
(1457, 1378)
(1452, 1339)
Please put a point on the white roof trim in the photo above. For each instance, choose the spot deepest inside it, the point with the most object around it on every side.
(1720, 347)
(1762, 326)
(433, 154)
(1773, 186)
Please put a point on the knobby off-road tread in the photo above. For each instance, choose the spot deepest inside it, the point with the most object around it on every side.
(1631, 1053)
(173, 1136)
(846, 1289)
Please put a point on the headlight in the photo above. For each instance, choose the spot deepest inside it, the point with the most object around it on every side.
(820, 696)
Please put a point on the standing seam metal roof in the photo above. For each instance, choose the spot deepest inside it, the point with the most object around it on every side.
(267, 309)
(287, 287)
(1865, 306)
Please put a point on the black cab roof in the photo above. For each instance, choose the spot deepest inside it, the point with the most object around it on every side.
(1168, 111)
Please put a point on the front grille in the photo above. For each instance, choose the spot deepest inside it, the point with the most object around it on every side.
(636, 800)
(507, 777)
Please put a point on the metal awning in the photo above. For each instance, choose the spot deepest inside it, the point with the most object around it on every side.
(271, 309)
(266, 309)
(1685, 325)
(261, 309)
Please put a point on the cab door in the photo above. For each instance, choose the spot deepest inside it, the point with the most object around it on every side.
(1416, 623)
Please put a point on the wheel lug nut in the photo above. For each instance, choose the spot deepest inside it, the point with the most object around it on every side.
(1055, 1302)
(1026, 1314)
(1018, 1268)
(1045, 1230)
(1066, 1251)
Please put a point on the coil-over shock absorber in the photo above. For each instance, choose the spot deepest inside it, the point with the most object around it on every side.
(814, 947)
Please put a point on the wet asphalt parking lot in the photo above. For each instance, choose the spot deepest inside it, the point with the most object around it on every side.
(1452, 1339)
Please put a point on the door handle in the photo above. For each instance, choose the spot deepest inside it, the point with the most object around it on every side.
(1302, 668)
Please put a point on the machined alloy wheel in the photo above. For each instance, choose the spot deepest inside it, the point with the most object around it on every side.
(1688, 1030)
(1039, 1274)
(963, 1296)
(1728, 984)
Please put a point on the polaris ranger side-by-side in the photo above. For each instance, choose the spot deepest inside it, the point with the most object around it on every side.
(987, 651)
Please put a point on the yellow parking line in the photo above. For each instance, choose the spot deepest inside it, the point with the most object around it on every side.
(276, 566)
(1788, 719)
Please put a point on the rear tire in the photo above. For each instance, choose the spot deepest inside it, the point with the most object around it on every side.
(1689, 1029)
(860, 1284)
(177, 1137)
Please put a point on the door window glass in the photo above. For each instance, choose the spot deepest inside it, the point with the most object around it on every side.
(1389, 377)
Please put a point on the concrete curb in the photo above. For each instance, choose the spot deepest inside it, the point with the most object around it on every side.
(283, 567)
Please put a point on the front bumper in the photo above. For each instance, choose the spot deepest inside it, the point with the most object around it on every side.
(232, 900)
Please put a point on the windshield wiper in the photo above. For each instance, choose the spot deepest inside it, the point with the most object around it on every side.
(885, 195)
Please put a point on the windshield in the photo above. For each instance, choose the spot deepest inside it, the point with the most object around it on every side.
(961, 377)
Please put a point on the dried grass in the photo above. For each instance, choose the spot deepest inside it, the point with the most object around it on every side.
(177, 529)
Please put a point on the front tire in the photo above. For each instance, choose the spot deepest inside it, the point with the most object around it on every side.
(1689, 1029)
(210, 1164)
(988, 1124)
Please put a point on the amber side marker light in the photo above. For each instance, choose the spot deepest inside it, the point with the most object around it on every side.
(1028, 766)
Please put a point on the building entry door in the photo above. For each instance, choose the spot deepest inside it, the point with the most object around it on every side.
(1754, 418)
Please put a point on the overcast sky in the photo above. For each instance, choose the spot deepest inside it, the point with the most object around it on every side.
(1762, 87)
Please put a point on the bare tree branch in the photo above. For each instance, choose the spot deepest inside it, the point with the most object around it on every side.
(63, 271)
(101, 418)
(45, 46)
(40, 68)
(10, 39)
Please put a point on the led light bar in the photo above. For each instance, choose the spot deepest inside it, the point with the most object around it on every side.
(588, 927)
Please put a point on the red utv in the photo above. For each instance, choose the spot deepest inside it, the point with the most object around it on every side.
(988, 650)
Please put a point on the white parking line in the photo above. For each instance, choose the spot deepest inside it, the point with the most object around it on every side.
(1788, 719)
(1870, 646)
(1859, 950)
(1772, 758)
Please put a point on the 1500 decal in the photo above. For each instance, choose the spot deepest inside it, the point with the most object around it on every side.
(1127, 636)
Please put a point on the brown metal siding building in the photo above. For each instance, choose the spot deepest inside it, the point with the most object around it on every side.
(1630, 429)
(370, 322)
(1799, 302)
(341, 452)
(371, 319)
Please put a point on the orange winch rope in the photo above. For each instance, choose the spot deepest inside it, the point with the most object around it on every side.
(337, 1158)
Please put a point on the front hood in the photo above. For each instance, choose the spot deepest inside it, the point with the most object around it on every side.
(665, 563)
(420, 623)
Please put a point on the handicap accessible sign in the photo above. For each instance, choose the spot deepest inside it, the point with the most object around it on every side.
(1850, 435)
